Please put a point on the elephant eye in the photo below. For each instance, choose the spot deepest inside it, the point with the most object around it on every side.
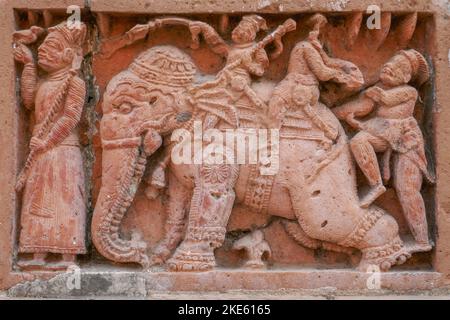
(125, 108)
(153, 100)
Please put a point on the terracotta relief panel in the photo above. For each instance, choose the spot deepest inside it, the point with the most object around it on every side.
(256, 141)
(283, 78)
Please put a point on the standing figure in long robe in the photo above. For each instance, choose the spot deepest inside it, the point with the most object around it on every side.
(53, 217)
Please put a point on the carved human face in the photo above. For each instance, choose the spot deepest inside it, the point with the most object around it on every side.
(396, 71)
(53, 54)
(243, 33)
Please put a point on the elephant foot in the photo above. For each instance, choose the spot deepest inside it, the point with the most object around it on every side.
(165, 247)
(384, 257)
(161, 253)
(191, 256)
(189, 266)
(144, 261)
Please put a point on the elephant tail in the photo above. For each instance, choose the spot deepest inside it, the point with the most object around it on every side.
(294, 230)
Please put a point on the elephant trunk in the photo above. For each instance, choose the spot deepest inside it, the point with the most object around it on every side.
(123, 166)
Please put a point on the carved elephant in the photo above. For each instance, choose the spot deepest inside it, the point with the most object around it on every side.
(314, 191)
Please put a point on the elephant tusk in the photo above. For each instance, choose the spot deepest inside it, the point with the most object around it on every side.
(122, 143)
(146, 126)
(152, 124)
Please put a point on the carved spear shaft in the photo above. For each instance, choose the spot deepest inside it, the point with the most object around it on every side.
(288, 26)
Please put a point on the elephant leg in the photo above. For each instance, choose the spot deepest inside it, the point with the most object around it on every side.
(211, 207)
(179, 197)
(328, 210)
(376, 235)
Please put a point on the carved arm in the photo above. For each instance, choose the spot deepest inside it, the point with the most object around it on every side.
(318, 66)
(288, 26)
(212, 38)
(71, 114)
(357, 107)
(28, 85)
(28, 80)
(393, 97)
(258, 65)
(140, 31)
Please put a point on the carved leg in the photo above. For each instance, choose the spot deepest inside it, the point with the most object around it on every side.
(408, 182)
(175, 223)
(376, 235)
(211, 206)
(36, 262)
(363, 148)
(66, 261)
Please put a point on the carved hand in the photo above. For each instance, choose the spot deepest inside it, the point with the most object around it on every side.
(23, 54)
(139, 32)
(350, 119)
(375, 93)
(28, 36)
(195, 27)
(37, 144)
(289, 25)
(344, 78)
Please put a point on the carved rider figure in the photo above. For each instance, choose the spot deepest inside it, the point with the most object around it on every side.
(230, 92)
(393, 128)
(219, 96)
(53, 208)
(297, 96)
(245, 58)
(243, 36)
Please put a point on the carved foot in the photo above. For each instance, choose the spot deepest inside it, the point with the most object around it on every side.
(189, 266)
(66, 262)
(372, 195)
(165, 247)
(385, 257)
(255, 264)
(161, 253)
(60, 266)
(396, 259)
(36, 263)
(191, 256)
(420, 247)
